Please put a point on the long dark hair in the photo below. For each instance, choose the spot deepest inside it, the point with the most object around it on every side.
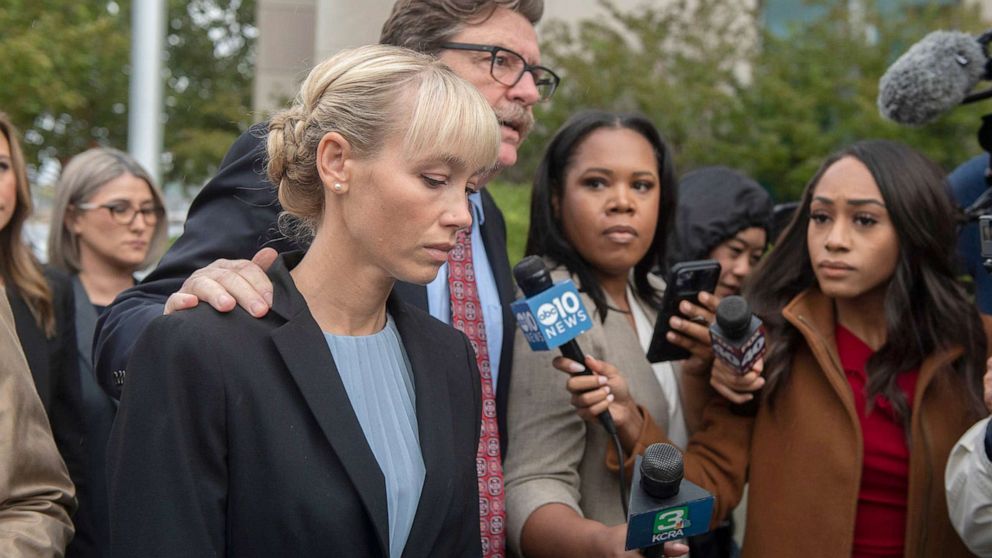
(545, 236)
(18, 266)
(926, 307)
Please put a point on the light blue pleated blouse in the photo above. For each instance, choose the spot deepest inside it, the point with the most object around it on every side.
(379, 380)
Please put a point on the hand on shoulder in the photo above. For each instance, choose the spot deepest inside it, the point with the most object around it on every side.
(225, 283)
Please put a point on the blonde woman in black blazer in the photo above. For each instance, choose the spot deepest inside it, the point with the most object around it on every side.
(239, 436)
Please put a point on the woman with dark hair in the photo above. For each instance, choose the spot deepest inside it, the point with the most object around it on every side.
(874, 370)
(42, 305)
(722, 215)
(602, 206)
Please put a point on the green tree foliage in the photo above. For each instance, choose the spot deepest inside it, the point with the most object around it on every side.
(66, 66)
(726, 91)
(210, 67)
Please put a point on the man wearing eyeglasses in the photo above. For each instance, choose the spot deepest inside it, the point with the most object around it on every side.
(493, 45)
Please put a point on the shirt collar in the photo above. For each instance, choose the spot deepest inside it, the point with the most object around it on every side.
(477, 214)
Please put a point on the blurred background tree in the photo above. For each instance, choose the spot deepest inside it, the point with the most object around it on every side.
(726, 88)
(66, 67)
(767, 86)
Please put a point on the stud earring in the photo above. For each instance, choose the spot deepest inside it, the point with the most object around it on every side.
(338, 187)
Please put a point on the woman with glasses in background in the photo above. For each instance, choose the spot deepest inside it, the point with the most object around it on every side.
(108, 221)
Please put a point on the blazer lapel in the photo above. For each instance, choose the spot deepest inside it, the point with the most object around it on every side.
(493, 230)
(434, 426)
(85, 322)
(812, 313)
(494, 239)
(304, 349)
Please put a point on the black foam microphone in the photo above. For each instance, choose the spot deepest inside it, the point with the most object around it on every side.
(737, 336)
(661, 470)
(534, 278)
(932, 77)
(663, 505)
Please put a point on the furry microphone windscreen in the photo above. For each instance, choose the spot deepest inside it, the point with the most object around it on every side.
(931, 78)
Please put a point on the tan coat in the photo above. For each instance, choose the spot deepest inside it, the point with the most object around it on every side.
(553, 455)
(36, 495)
(805, 452)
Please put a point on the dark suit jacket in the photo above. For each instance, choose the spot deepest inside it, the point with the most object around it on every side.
(235, 437)
(233, 217)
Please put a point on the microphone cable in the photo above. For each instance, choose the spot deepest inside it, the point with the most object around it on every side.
(533, 278)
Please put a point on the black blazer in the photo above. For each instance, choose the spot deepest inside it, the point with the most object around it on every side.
(233, 217)
(235, 437)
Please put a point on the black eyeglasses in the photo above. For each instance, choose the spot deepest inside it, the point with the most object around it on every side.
(507, 67)
(124, 213)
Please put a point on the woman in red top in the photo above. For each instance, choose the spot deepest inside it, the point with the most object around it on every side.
(874, 369)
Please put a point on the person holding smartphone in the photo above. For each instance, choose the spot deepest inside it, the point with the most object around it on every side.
(602, 205)
(874, 371)
(724, 216)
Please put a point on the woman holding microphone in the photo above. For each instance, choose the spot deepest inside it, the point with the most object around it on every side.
(602, 206)
(873, 372)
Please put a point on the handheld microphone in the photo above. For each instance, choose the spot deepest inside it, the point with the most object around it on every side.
(932, 77)
(663, 505)
(738, 336)
(552, 316)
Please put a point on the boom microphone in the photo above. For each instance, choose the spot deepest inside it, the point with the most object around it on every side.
(552, 315)
(932, 77)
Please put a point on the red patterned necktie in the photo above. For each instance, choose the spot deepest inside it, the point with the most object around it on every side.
(466, 316)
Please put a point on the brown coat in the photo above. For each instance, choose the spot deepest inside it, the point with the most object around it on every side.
(36, 495)
(804, 453)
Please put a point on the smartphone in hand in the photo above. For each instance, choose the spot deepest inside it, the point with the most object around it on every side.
(685, 281)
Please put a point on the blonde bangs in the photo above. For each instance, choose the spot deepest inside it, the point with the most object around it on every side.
(451, 121)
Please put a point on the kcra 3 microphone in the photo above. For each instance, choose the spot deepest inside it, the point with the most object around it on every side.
(738, 336)
(663, 505)
(932, 77)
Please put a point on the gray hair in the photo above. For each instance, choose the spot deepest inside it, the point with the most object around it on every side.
(83, 177)
(423, 25)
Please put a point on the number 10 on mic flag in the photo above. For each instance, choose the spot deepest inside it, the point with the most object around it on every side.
(553, 317)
